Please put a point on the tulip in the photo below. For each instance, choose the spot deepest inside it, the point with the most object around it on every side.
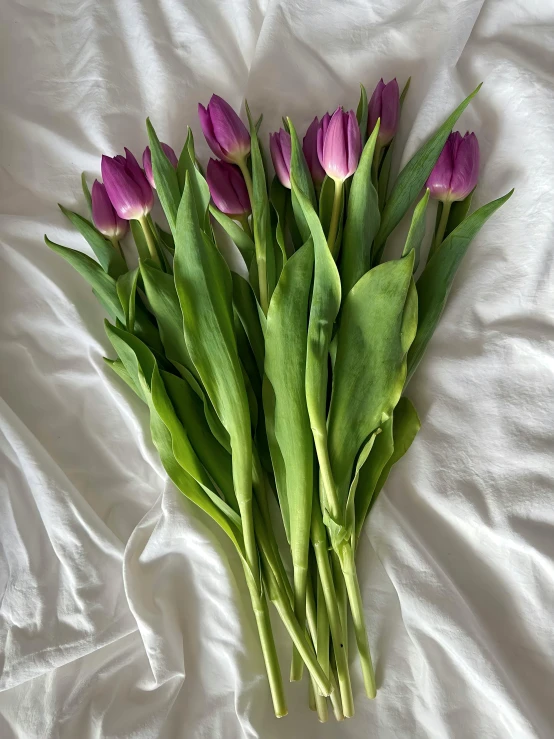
(280, 149)
(384, 104)
(104, 215)
(228, 189)
(127, 186)
(224, 131)
(147, 162)
(339, 145)
(309, 147)
(454, 175)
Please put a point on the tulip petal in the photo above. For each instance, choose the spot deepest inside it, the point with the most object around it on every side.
(466, 167)
(354, 142)
(438, 181)
(208, 131)
(390, 108)
(125, 194)
(280, 150)
(133, 168)
(227, 188)
(335, 157)
(309, 147)
(103, 213)
(229, 131)
(374, 108)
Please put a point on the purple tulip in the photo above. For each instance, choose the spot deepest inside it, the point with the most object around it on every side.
(455, 174)
(384, 104)
(228, 188)
(339, 145)
(127, 186)
(104, 215)
(225, 133)
(309, 147)
(147, 162)
(280, 149)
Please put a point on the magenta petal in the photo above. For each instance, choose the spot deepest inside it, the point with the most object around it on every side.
(354, 142)
(309, 147)
(208, 131)
(466, 167)
(390, 108)
(133, 168)
(103, 213)
(229, 131)
(227, 188)
(335, 155)
(374, 107)
(438, 181)
(125, 194)
(147, 162)
(280, 149)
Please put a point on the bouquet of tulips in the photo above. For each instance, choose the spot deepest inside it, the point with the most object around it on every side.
(276, 392)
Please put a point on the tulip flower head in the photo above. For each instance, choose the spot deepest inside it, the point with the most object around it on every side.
(309, 147)
(227, 188)
(147, 162)
(455, 174)
(280, 149)
(224, 131)
(384, 104)
(127, 186)
(104, 215)
(339, 144)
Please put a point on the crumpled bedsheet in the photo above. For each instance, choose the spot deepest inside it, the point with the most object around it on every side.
(123, 611)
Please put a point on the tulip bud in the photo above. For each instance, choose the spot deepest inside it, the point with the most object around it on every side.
(224, 131)
(127, 186)
(280, 149)
(455, 174)
(384, 104)
(104, 216)
(228, 188)
(339, 144)
(147, 162)
(309, 147)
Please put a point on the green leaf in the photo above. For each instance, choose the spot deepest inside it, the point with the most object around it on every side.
(458, 212)
(201, 191)
(126, 287)
(326, 197)
(259, 122)
(362, 114)
(165, 177)
(285, 370)
(237, 235)
(165, 237)
(435, 282)
(303, 179)
(412, 178)
(362, 220)
(417, 230)
(204, 289)
(103, 285)
(132, 352)
(119, 369)
(110, 259)
(245, 305)
(86, 192)
(371, 470)
(278, 197)
(405, 426)
(370, 368)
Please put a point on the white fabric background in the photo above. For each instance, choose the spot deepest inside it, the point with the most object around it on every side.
(122, 612)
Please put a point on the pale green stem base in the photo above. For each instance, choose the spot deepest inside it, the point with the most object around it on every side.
(335, 216)
(149, 239)
(117, 246)
(300, 580)
(437, 241)
(243, 220)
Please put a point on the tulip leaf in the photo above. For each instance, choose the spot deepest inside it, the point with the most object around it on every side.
(371, 470)
(187, 164)
(370, 367)
(417, 230)
(458, 212)
(362, 114)
(435, 282)
(278, 195)
(86, 192)
(126, 286)
(119, 369)
(412, 178)
(362, 220)
(259, 122)
(405, 426)
(165, 237)
(165, 177)
(100, 281)
(110, 259)
(238, 236)
(304, 183)
(204, 289)
(245, 305)
(285, 371)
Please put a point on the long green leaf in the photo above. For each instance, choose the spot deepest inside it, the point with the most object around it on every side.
(126, 286)
(237, 235)
(165, 177)
(110, 259)
(303, 179)
(362, 220)
(417, 230)
(371, 470)
(435, 282)
(119, 368)
(244, 301)
(362, 114)
(378, 324)
(413, 177)
(86, 192)
(187, 165)
(100, 281)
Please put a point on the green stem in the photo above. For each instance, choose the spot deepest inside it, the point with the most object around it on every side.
(260, 252)
(335, 216)
(355, 599)
(322, 646)
(117, 246)
(300, 579)
(437, 241)
(149, 239)
(319, 541)
(342, 598)
(243, 220)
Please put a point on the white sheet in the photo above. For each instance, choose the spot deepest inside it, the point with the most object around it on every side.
(123, 612)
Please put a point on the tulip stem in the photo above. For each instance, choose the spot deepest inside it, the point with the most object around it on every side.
(243, 220)
(117, 246)
(439, 236)
(260, 247)
(335, 215)
(149, 239)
